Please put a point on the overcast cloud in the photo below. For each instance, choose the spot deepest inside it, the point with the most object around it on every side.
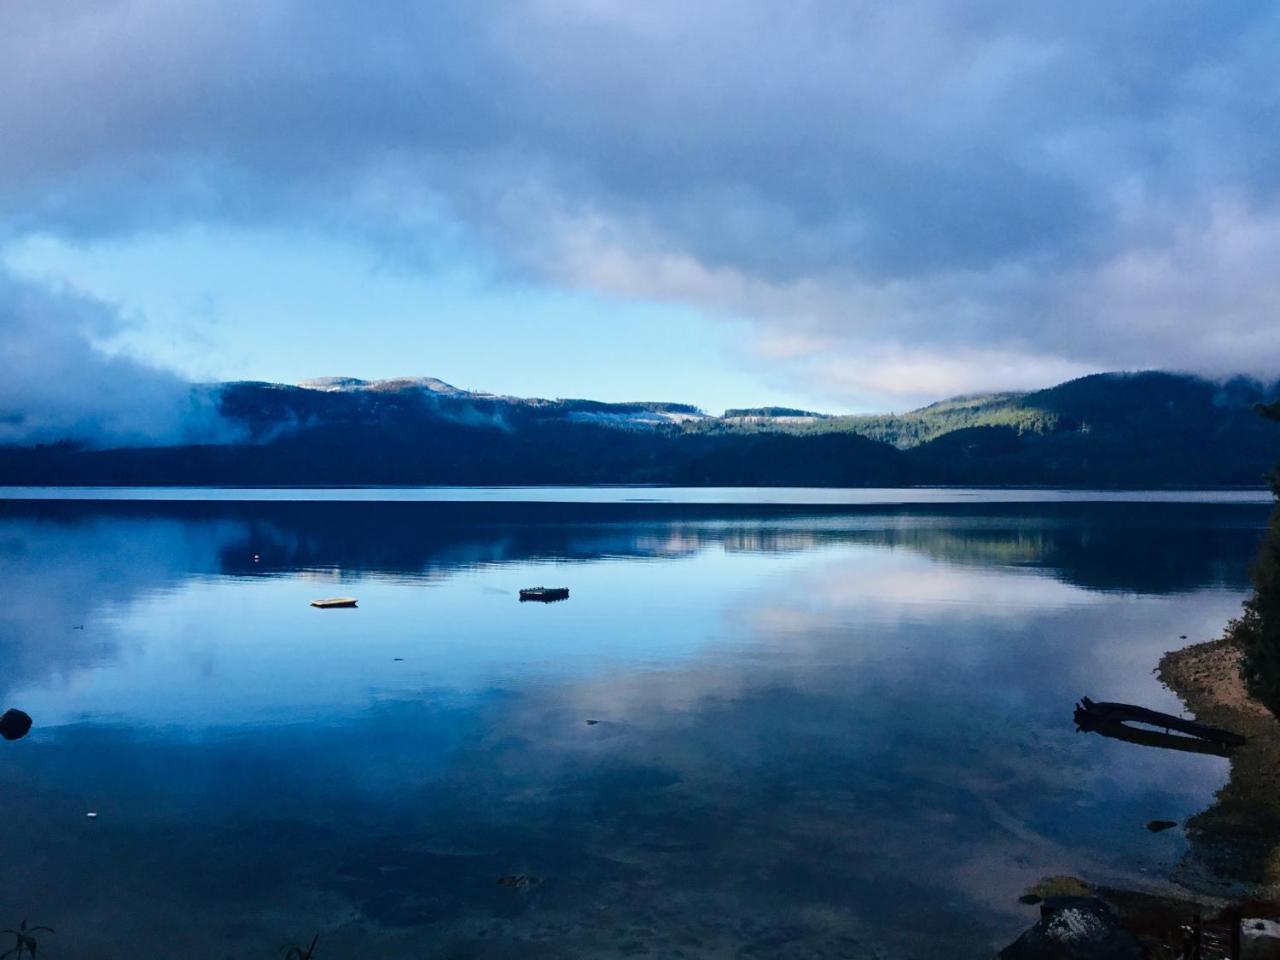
(915, 198)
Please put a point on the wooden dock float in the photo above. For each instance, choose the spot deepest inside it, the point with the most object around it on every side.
(334, 602)
(544, 594)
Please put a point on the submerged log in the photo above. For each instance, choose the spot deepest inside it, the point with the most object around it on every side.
(1114, 719)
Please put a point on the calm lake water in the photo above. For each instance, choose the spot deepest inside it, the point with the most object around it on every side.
(835, 727)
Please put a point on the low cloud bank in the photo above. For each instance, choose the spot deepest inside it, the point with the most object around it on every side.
(59, 385)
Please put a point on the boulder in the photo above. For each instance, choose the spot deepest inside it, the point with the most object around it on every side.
(14, 725)
(1074, 928)
(1259, 939)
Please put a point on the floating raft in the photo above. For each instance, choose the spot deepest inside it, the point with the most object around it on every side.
(1115, 718)
(334, 602)
(544, 594)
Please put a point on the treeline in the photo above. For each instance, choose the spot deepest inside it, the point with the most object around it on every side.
(454, 454)
(1258, 630)
(1142, 430)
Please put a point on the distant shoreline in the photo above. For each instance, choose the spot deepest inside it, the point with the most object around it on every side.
(1033, 487)
(652, 495)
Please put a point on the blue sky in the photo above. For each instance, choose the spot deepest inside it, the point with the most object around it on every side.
(225, 303)
(836, 205)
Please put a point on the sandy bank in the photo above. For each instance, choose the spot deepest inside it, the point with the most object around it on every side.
(1235, 844)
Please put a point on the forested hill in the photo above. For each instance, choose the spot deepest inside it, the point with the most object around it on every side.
(1109, 430)
(1116, 430)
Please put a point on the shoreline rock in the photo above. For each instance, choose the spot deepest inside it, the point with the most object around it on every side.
(14, 725)
(1075, 928)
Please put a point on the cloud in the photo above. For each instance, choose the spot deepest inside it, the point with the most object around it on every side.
(59, 384)
(911, 198)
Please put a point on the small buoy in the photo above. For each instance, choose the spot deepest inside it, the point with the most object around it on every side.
(91, 815)
(256, 558)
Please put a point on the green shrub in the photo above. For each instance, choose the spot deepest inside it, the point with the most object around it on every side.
(1258, 630)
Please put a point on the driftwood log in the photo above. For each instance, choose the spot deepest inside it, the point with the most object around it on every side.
(1115, 719)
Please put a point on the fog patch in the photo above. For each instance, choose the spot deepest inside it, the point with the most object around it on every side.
(60, 385)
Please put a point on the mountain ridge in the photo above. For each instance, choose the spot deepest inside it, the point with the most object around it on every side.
(1145, 429)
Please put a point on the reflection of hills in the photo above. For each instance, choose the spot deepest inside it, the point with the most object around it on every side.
(1142, 554)
(1140, 547)
(1143, 557)
(61, 567)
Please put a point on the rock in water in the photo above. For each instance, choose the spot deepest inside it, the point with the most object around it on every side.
(14, 725)
(1074, 928)
(1260, 939)
(518, 880)
(1157, 826)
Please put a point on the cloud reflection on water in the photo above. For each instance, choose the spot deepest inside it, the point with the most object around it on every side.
(811, 728)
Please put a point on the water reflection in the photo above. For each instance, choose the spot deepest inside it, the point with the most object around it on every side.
(1153, 738)
(820, 733)
(1143, 546)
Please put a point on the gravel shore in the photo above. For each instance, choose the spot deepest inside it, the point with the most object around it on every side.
(1235, 844)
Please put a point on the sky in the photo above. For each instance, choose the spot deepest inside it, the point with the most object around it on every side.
(833, 204)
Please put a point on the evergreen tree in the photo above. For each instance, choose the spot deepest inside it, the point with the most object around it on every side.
(1258, 630)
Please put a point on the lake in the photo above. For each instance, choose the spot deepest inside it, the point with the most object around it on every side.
(764, 724)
